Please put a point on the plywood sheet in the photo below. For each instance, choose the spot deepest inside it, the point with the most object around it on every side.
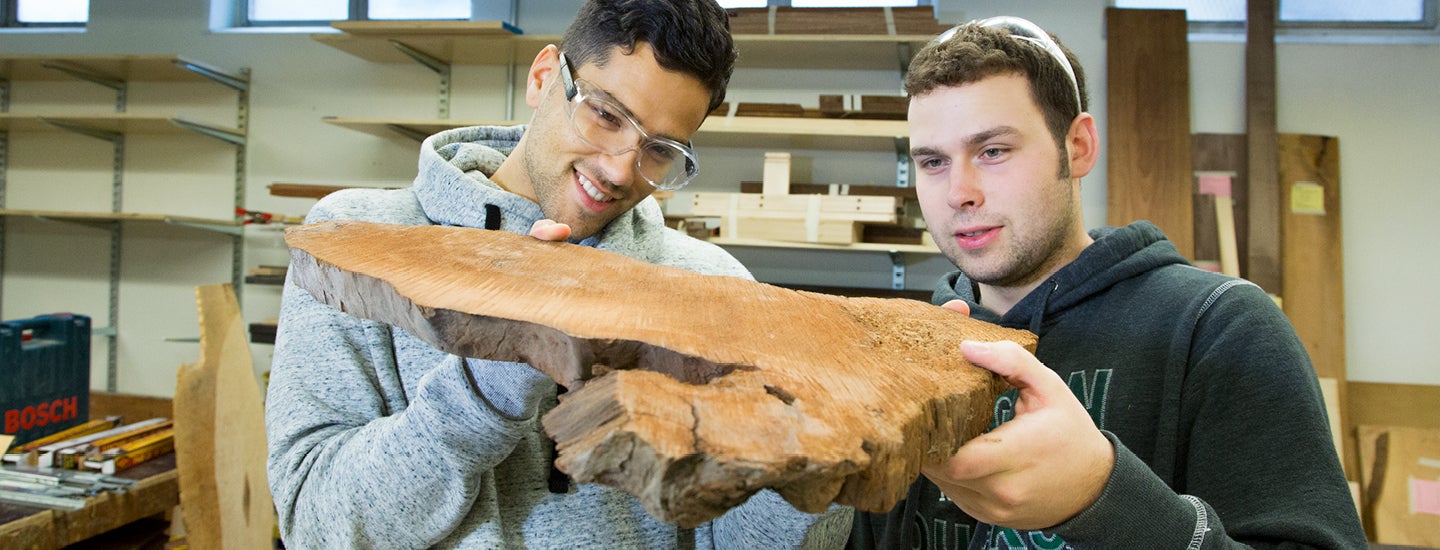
(1148, 107)
(1313, 279)
(220, 434)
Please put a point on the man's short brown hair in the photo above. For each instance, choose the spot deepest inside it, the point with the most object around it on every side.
(976, 52)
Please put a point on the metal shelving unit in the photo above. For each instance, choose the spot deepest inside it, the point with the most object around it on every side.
(115, 72)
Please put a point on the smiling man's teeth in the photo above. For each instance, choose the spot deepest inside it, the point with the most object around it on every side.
(972, 234)
(593, 191)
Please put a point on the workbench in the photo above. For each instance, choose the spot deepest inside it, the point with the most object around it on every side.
(156, 492)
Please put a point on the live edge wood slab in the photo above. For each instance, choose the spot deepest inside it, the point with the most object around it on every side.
(690, 392)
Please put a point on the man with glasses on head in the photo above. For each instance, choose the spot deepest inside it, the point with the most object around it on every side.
(1165, 406)
(380, 440)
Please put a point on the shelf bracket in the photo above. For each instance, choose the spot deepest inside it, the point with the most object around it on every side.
(84, 74)
(210, 131)
(232, 230)
(408, 132)
(897, 270)
(431, 62)
(83, 130)
(902, 162)
(227, 80)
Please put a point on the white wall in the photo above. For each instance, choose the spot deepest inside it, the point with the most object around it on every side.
(1375, 98)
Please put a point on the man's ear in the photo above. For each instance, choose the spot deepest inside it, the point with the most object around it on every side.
(1083, 143)
(545, 66)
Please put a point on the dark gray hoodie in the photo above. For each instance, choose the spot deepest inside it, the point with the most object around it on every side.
(1198, 379)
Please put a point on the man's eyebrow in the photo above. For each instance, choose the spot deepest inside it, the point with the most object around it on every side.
(974, 140)
(605, 94)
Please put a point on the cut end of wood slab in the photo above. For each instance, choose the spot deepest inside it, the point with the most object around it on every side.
(691, 392)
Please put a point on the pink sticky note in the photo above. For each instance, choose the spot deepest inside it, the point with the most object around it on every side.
(1215, 184)
(1425, 496)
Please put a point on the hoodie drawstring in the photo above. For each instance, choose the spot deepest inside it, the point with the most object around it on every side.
(492, 217)
(1039, 317)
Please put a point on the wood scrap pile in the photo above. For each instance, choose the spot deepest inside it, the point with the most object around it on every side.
(839, 215)
(690, 392)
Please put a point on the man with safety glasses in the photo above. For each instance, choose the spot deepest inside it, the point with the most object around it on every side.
(380, 440)
(1165, 406)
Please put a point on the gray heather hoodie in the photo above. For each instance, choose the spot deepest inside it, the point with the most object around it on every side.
(378, 440)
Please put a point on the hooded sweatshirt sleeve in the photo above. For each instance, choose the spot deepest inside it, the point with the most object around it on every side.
(1248, 376)
(343, 436)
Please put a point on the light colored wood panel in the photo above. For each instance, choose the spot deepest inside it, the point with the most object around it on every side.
(220, 434)
(1313, 274)
(1149, 164)
(1380, 404)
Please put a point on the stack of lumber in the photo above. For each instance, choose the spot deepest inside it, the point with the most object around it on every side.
(775, 214)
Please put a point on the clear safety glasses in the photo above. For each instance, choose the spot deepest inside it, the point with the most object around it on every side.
(1023, 29)
(602, 123)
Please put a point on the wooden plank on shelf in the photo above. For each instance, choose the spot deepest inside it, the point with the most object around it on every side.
(836, 189)
(399, 128)
(447, 27)
(124, 68)
(303, 190)
(857, 208)
(857, 247)
(115, 216)
(122, 123)
(1313, 274)
(791, 230)
(1148, 63)
(220, 433)
(800, 133)
(839, 21)
(717, 131)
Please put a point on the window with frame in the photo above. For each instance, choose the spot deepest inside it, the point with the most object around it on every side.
(1300, 15)
(45, 13)
(321, 12)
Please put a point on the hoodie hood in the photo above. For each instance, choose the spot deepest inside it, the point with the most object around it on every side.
(454, 188)
(1118, 253)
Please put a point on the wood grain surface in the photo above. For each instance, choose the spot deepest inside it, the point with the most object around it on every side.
(690, 392)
